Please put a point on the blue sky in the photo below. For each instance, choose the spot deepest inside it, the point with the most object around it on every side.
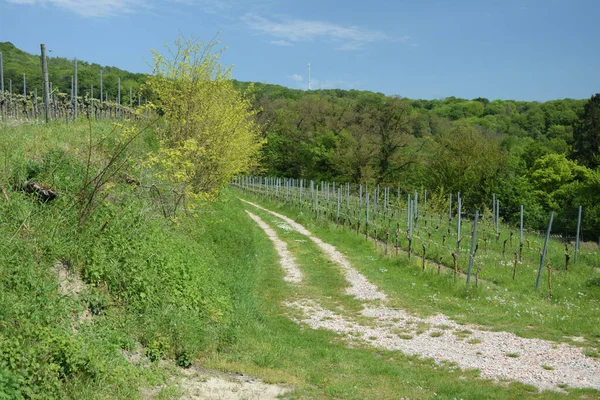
(507, 49)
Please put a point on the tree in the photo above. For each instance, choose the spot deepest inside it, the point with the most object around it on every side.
(556, 179)
(586, 136)
(467, 161)
(388, 122)
(209, 132)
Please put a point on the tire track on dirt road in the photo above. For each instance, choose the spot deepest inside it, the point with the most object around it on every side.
(497, 355)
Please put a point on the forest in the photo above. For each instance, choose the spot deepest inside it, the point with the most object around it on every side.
(542, 155)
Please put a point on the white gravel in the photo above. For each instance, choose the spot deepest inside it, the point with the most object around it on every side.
(287, 261)
(497, 355)
(359, 287)
(202, 386)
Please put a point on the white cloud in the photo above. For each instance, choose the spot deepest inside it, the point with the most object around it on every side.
(280, 42)
(209, 6)
(295, 30)
(297, 78)
(96, 8)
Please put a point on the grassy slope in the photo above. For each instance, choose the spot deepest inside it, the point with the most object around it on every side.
(151, 284)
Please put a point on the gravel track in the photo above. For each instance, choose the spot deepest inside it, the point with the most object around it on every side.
(359, 287)
(498, 355)
(287, 261)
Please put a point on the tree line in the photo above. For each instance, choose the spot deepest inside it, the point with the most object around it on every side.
(543, 156)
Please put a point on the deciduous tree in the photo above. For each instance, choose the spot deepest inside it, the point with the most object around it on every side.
(586, 136)
(209, 131)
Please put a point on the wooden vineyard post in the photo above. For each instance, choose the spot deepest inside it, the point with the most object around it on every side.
(521, 235)
(458, 238)
(387, 241)
(416, 208)
(543, 256)
(2, 95)
(360, 196)
(75, 102)
(494, 209)
(577, 235)
(45, 86)
(10, 99)
(338, 205)
(424, 255)
(567, 257)
(367, 215)
(347, 197)
(425, 204)
(473, 242)
(497, 220)
(455, 259)
(450, 210)
(101, 92)
(397, 236)
(515, 266)
(91, 107)
(35, 103)
(410, 225)
(118, 98)
(549, 280)
(25, 97)
(375, 199)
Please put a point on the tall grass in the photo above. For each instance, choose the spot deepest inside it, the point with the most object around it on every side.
(152, 285)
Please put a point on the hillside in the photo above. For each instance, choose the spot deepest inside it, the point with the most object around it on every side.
(478, 147)
(60, 70)
(140, 259)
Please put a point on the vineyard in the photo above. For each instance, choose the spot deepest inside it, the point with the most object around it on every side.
(465, 245)
(94, 101)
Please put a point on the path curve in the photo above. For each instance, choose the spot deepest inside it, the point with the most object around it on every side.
(498, 355)
(360, 287)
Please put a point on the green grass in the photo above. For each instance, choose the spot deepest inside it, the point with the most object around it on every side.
(206, 288)
(318, 363)
(148, 282)
(513, 308)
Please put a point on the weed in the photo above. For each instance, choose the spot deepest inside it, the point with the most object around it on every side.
(591, 353)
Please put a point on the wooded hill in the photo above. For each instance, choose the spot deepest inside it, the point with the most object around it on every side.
(540, 155)
(60, 70)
